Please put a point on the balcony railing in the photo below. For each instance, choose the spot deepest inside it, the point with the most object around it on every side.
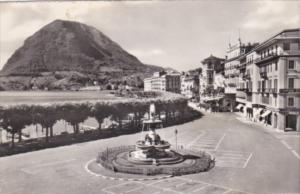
(262, 90)
(263, 74)
(272, 90)
(266, 58)
(289, 90)
(246, 76)
(242, 65)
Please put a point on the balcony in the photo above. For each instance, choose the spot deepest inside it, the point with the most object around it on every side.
(242, 65)
(263, 74)
(272, 90)
(289, 90)
(246, 76)
(249, 90)
(290, 52)
(270, 56)
(261, 90)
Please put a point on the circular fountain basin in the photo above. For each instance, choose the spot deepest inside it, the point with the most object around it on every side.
(162, 146)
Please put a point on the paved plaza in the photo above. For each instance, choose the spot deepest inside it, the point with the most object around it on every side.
(249, 159)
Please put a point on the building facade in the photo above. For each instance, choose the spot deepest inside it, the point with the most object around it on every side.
(210, 67)
(268, 84)
(190, 86)
(235, 63)
(162, 81)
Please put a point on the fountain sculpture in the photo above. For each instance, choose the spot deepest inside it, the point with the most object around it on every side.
(152, 155)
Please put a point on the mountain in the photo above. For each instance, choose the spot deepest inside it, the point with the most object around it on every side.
(66, 46)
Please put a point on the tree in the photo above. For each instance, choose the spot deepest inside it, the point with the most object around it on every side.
(46, 116)
(101, 111)
(75, 114)
(120, 110)
(14, 119)
(181, 106)
(139, 109)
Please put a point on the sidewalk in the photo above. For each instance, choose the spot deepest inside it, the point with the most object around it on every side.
(199, 109)
(269, 128)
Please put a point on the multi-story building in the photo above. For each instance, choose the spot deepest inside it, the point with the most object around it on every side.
(235, 68)
(268, 88)
(162, 81)
(244, 87)
(210, 66)
(190, 86)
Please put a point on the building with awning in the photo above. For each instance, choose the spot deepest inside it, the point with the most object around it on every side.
(266, 113)
(211, 99)
(266, 79)
(258, 112)
(239, 106)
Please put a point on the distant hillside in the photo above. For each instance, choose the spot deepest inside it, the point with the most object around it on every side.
(66, 51)
(196, 71)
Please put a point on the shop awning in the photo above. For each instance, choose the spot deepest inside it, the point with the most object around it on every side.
(212, 99)
(266, 113)
(258, 111)
(239, 106)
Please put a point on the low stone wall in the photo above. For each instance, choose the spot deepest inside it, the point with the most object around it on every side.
(196, 162)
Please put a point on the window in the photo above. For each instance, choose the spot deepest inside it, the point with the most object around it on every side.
(275, 83)
(286, 46)
(291, 83)
(290, 101)
(276, 65)
(291, 64)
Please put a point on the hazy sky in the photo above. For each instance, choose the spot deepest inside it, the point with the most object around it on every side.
(167, 33)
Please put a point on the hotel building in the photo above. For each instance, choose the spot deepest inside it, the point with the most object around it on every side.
(162, 81)
(268, 81)
(190, 86)
(235, 62)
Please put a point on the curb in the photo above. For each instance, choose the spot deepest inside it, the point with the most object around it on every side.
(121, 179)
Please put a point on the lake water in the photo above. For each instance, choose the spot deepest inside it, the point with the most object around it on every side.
(33, 97)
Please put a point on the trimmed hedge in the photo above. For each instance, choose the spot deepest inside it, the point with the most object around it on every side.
(15, 118)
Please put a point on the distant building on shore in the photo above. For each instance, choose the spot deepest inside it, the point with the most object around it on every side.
(162, 81)
(189, 86)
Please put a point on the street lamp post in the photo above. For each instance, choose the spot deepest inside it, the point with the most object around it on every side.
(176, 132)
